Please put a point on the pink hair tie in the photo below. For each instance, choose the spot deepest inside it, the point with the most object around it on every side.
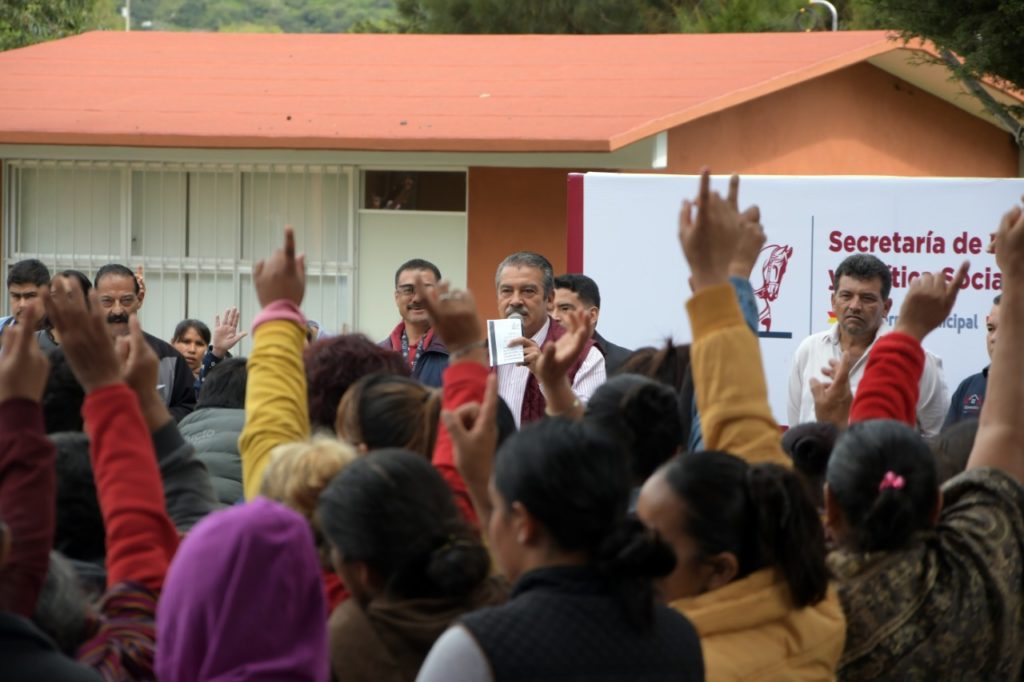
(891, 480)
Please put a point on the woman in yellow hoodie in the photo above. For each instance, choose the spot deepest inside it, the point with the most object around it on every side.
(750, 548)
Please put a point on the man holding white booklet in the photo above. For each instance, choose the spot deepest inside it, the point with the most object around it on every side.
(525, 285)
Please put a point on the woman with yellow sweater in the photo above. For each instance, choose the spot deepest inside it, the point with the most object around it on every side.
(750, 550)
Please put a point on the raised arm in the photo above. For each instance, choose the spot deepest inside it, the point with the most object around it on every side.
(225, 337)
(28, 484)
(729, 382)
(140, 536)
(1001, 427)
(276, 405)
(890, 385)
(453, 314)
(553, 364)
(186, 482)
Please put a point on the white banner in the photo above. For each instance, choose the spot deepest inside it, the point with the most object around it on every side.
(914, 225)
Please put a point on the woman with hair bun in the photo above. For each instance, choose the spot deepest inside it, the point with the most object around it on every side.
(410, 560)
(583, 605)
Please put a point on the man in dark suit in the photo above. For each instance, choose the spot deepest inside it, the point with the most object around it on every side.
(579, 292)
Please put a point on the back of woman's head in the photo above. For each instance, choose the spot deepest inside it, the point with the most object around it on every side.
(335, 363)
(882, 475)
(62, 607)
(643, 415)
(392, 511)
(244, 593)
(572, 478)
(225, 385)
(390, 411)
(298, 473)
(810, 446)
(762, 514)
(668, 365)
(64, 396)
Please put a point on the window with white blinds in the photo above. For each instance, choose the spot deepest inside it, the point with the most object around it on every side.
(195, 229)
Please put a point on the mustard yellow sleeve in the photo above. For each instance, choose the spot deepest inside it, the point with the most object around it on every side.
(276, 408)
(728, 377)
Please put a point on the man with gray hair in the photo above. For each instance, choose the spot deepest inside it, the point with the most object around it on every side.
(525, 284)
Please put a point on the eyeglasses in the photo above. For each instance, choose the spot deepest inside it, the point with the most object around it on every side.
(409, 289)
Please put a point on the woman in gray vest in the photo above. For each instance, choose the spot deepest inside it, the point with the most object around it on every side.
(583, 605)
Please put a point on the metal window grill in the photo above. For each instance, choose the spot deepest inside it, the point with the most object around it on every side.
(196, 229)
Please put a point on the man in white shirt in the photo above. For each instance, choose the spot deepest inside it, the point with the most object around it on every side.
(525, 284)
(861, 303)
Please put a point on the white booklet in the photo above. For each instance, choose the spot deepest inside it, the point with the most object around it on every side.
(499, 333)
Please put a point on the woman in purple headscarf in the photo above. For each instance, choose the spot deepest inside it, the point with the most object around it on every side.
(244, 601)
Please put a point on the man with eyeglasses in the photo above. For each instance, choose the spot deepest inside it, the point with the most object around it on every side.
(413, 337)
(121, 297)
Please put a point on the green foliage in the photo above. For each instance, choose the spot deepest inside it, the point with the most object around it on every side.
(24, 22)
(275, 16)
(536, 16)
(986, 34)
(740, 16)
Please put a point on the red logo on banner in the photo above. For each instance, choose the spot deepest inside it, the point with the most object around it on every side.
(775, 258)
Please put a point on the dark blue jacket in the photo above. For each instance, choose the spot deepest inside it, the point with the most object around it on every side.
(968, 398)
(431, 364)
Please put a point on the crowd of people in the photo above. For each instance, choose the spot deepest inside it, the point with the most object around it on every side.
(331, 507)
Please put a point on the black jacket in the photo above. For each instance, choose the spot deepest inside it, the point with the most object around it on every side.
(563, 623)
(28, 655)
(175, 381)
(614, 355)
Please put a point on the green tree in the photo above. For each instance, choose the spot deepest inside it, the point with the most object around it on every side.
(536, 16)
(24, 22)
(975, 39)
(740, 16)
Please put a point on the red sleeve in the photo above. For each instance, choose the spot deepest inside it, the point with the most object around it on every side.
(891, 383)
(463, 383)
(27, 503)
(140, 536)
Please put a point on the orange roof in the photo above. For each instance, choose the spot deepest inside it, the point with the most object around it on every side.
(397, 92)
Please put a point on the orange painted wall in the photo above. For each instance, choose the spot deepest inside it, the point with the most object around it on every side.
(512, 209)
(857, 121)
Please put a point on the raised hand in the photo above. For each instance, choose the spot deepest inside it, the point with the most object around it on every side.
(1008, 242)
(553, 362)
(751, 241)
(84, 335)
(832, 400)
(225, 332)
(282, 276)
(23, 367)
(709, 239)
(929, 301)
(141, 279)
(452, 315)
